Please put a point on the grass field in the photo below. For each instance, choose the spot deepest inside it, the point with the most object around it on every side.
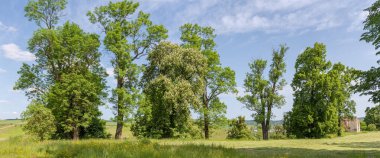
(15, 144)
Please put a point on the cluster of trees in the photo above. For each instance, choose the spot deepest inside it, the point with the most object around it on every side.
(66, 84)
(68, 80)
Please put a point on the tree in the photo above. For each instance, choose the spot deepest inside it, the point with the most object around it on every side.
(60, 52)
(128, 39)
(218, 80)
(372, 116)
(369, 81)
(341, 78)
(322, 95)
(172, 85)
(263, 94)
(238, 129)
(39, 121)
(371, 26)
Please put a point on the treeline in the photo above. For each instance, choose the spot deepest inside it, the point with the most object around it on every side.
(66, 84)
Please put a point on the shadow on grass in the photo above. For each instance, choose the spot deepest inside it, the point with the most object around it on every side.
(147, 149)
(375, 144)
(309, 153)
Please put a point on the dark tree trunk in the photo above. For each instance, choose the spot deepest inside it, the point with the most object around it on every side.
(206, 126)
(339, 126)
(264, 131)
(120, 114)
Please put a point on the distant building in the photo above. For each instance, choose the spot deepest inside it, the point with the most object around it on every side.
(351, 124)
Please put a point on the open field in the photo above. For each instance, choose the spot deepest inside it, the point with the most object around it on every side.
(16, 144)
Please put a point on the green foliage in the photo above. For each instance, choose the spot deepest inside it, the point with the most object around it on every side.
(45, 13)
(238, 129)
(321, 94)
(363, 126)
(39, 121)
(263, 94)
(278, 132)
(371, 127)
(67, 76)
(372, 116)
(172, 83)
(128, 39)
(217, 80)
(368, 83)
(75, 101)
(371, 26)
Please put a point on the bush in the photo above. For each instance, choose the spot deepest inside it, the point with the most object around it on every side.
(371, 127)
(363, 126)
(239, 129)
(39, 121)
(279, 132)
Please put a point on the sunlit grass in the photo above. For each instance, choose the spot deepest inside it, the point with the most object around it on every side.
(352, 145)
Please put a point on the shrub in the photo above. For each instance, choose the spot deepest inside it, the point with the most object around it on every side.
(238, 129)
(363, 126)
(371, 127)
(278, 132)
(39, 121)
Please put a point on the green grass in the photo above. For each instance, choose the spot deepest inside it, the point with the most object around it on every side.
(352, 145)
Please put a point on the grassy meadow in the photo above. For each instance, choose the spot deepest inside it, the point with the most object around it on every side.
(14, 143)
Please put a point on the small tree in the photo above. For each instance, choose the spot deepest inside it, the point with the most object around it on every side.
(39, 121)
(238, 129)
(263, 94)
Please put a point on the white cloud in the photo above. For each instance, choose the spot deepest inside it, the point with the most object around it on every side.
(2, 71)
(6, 28)
(275, 16)
(357, 24)
(12, 51)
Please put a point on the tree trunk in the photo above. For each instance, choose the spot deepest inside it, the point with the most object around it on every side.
(120, 114)
(75, 133)
(264, 131)
(339, 126)
(206, 125)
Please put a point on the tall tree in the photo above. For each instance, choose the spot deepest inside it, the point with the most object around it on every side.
(322, 95)
(263, 94)
(218, 80)
(129, 39)
(60, 51)
(172, 86)
(340, 79)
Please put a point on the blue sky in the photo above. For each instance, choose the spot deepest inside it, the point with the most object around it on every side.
(246, 29)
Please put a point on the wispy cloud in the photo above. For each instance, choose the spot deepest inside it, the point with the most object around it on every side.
(7, 28)
(12, 51)
(277, 16)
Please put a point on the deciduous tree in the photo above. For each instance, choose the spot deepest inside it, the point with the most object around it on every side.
(39, 121)
(129, 36)
(172, 86)
(218, 80)
(263, 94)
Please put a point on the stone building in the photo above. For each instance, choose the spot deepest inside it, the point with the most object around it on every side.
(351, 124)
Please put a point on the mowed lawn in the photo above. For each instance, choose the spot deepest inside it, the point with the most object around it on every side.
(16, 144)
